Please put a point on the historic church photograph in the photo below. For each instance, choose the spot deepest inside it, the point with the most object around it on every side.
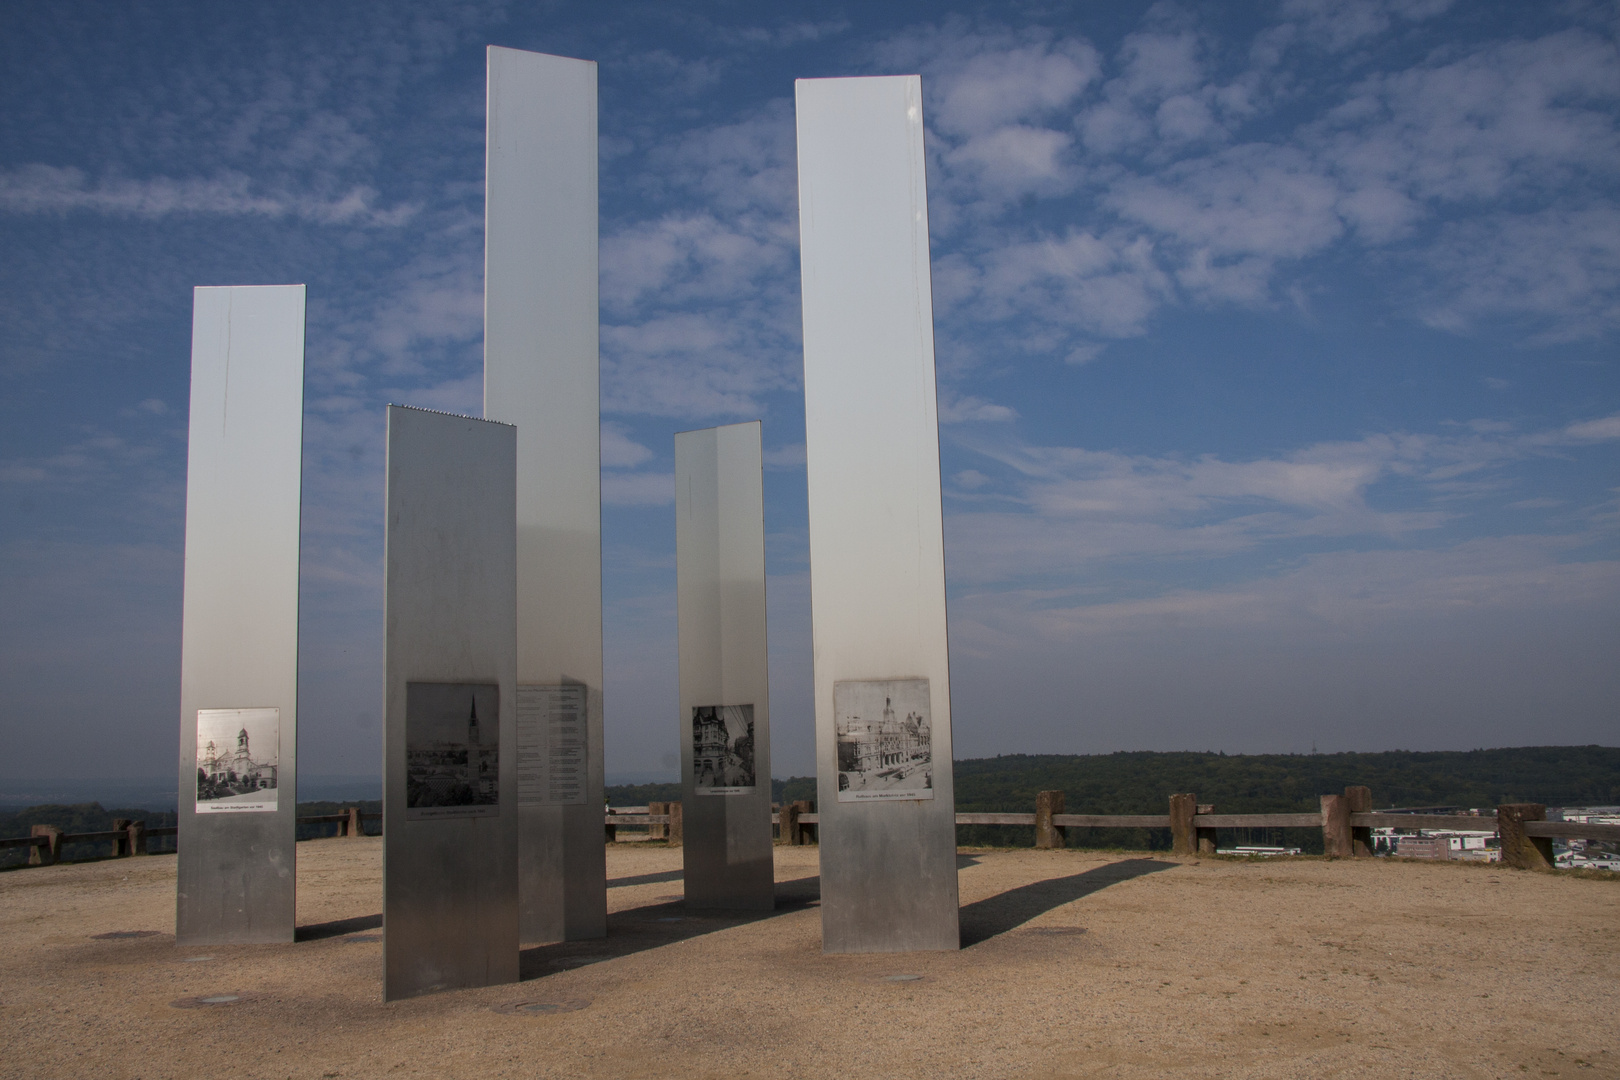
(452, 750)
(238, 751)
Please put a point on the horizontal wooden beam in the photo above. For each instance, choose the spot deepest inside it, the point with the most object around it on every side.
(25, 841)
(1258, 821)
(1111, 821)
(83, 837)
(992, 819)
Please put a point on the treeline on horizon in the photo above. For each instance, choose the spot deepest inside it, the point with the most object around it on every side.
(1142, 781)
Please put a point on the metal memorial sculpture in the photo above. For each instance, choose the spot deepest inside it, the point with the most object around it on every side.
(725, 716)
(540, 373)
(238, 789)
(450, 855)
(877, 555)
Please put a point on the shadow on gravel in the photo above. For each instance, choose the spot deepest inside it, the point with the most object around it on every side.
(644, 879)
(337, 927)
(985, 919)
(656, 925)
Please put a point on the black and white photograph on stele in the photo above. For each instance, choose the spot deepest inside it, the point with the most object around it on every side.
(238, 751)
(884, 737)
(723, 749)
(452, 750)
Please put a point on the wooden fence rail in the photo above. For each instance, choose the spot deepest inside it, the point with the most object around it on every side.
(1346, 822)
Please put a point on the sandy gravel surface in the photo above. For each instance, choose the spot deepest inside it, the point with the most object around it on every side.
(1076, 964)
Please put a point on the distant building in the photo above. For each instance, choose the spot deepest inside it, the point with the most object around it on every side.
(1423, 847)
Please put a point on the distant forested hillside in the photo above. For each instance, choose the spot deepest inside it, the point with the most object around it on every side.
(1141, 782)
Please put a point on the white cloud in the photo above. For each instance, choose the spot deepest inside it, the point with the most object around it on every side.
(970, 479)
(96, 457)
(1599, 430)
(619, 451)
(1105, 284)
(958, 409)
(46, 189)
(700, 299)
(1070, 508)
(1479, 175)
(638, 489)
(679, 259)
(995, 102)
(1337, 25)
(1557, 271)
(791, 456)
(1344, 593)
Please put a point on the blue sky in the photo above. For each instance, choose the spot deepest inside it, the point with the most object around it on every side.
(1276, 349)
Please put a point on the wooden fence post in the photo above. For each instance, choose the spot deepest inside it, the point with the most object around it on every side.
(806, 806)
(1518, 850)
(1206, 837)
(121, 844)
(353, 826)
(788, 828)
(1360, 800)
(654, 831)
(1182, 809)
(1335, 826)
(136, 834)
(1048, 835)
(677, 832)
(51, 852)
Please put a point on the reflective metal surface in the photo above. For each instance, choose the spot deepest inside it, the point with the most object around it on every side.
(450, 906)
(540, 373)
(877, 557)
(239, 635)
(720, 585)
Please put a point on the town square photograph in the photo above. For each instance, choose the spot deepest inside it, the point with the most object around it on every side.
(884, 740)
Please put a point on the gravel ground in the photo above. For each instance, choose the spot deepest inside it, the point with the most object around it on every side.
(1075, 964)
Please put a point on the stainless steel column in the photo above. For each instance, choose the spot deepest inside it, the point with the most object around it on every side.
(238, 800)
(725, 712)
(877, 557)
(540, 373)
(450, 826)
